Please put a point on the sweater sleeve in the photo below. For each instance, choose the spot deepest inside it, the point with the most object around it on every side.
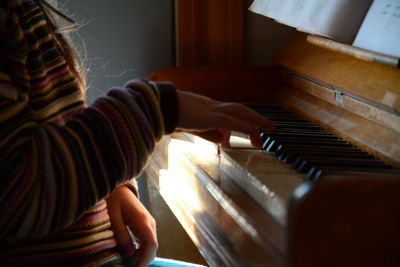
(50, 173)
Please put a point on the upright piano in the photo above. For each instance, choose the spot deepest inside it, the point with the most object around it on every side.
(324, 191)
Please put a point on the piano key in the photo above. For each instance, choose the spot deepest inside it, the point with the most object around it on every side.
(341, 161)
(272, 145)
(317, 172)
(285, 125)
(310, 149)
(305, 130)
(305, 148)
(301, 138)
(291, 156)
(300, 134)
(305, 164)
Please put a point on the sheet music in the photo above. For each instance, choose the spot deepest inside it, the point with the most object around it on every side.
(380, 31)
(336, 19)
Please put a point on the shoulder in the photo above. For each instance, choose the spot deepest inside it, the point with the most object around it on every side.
(14, 17)
(8, 5)
(7, 10)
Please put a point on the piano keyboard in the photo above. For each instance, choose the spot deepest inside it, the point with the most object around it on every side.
(311, 150)
(234, 193)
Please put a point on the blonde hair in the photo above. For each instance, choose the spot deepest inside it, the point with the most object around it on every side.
(73, 59)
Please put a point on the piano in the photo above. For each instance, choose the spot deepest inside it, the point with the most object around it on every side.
(324, 191)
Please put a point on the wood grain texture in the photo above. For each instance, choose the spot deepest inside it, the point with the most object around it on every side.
(370, 82)
(210, 32)
(236, 84)
(370, 136)
(353, 51)
(382, 117)
(173, 241)
(346, 221)
(228, 227)
(349, 214)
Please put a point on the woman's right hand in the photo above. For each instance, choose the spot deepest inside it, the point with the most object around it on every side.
(126, 210)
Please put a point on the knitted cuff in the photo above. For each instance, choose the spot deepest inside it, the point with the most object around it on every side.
(169, 105)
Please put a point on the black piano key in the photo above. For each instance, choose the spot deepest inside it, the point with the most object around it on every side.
(296, 131)
(303, 130)
(344, 161)
(304, 164)
(307, 140)
(272, 145)
(318, 172)
(291, 156)
(301, 134)
(300, 148)
(300, 138)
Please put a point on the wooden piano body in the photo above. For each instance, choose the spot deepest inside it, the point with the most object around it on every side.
(239, 206)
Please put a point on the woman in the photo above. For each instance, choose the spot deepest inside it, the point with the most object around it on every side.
(66, 169)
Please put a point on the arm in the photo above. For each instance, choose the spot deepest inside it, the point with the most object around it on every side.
(202, 116)
(50, 174)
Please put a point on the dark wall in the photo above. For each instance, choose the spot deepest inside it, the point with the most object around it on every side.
(122, 39)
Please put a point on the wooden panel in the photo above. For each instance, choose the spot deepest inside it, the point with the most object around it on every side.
(237, 84)
(367, 81)
(228, 227)
(268, 181)
(173, 241)
(385, 119)
(382, 117)
(366, 134)
(346, 221)
(210, 32)
(353, 51)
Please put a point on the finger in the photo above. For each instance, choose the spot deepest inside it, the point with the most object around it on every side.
(227, 136)
(121, 234)
(147, 236)
(255, 138)
(147, 253)
(222, 121)
(234, 124)
(242, 112)
(214, 135)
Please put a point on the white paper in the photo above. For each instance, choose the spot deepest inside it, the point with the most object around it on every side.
(380, 31)
(336, 19)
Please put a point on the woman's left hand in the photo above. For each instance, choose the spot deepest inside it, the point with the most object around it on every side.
(126, 210)
(214, 120)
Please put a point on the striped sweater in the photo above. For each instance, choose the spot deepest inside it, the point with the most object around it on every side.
(59, 158)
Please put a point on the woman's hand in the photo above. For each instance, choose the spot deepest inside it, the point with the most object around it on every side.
(126, 210)
(213, 120)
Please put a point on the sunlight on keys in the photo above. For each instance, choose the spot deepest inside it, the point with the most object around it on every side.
(240, 140)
